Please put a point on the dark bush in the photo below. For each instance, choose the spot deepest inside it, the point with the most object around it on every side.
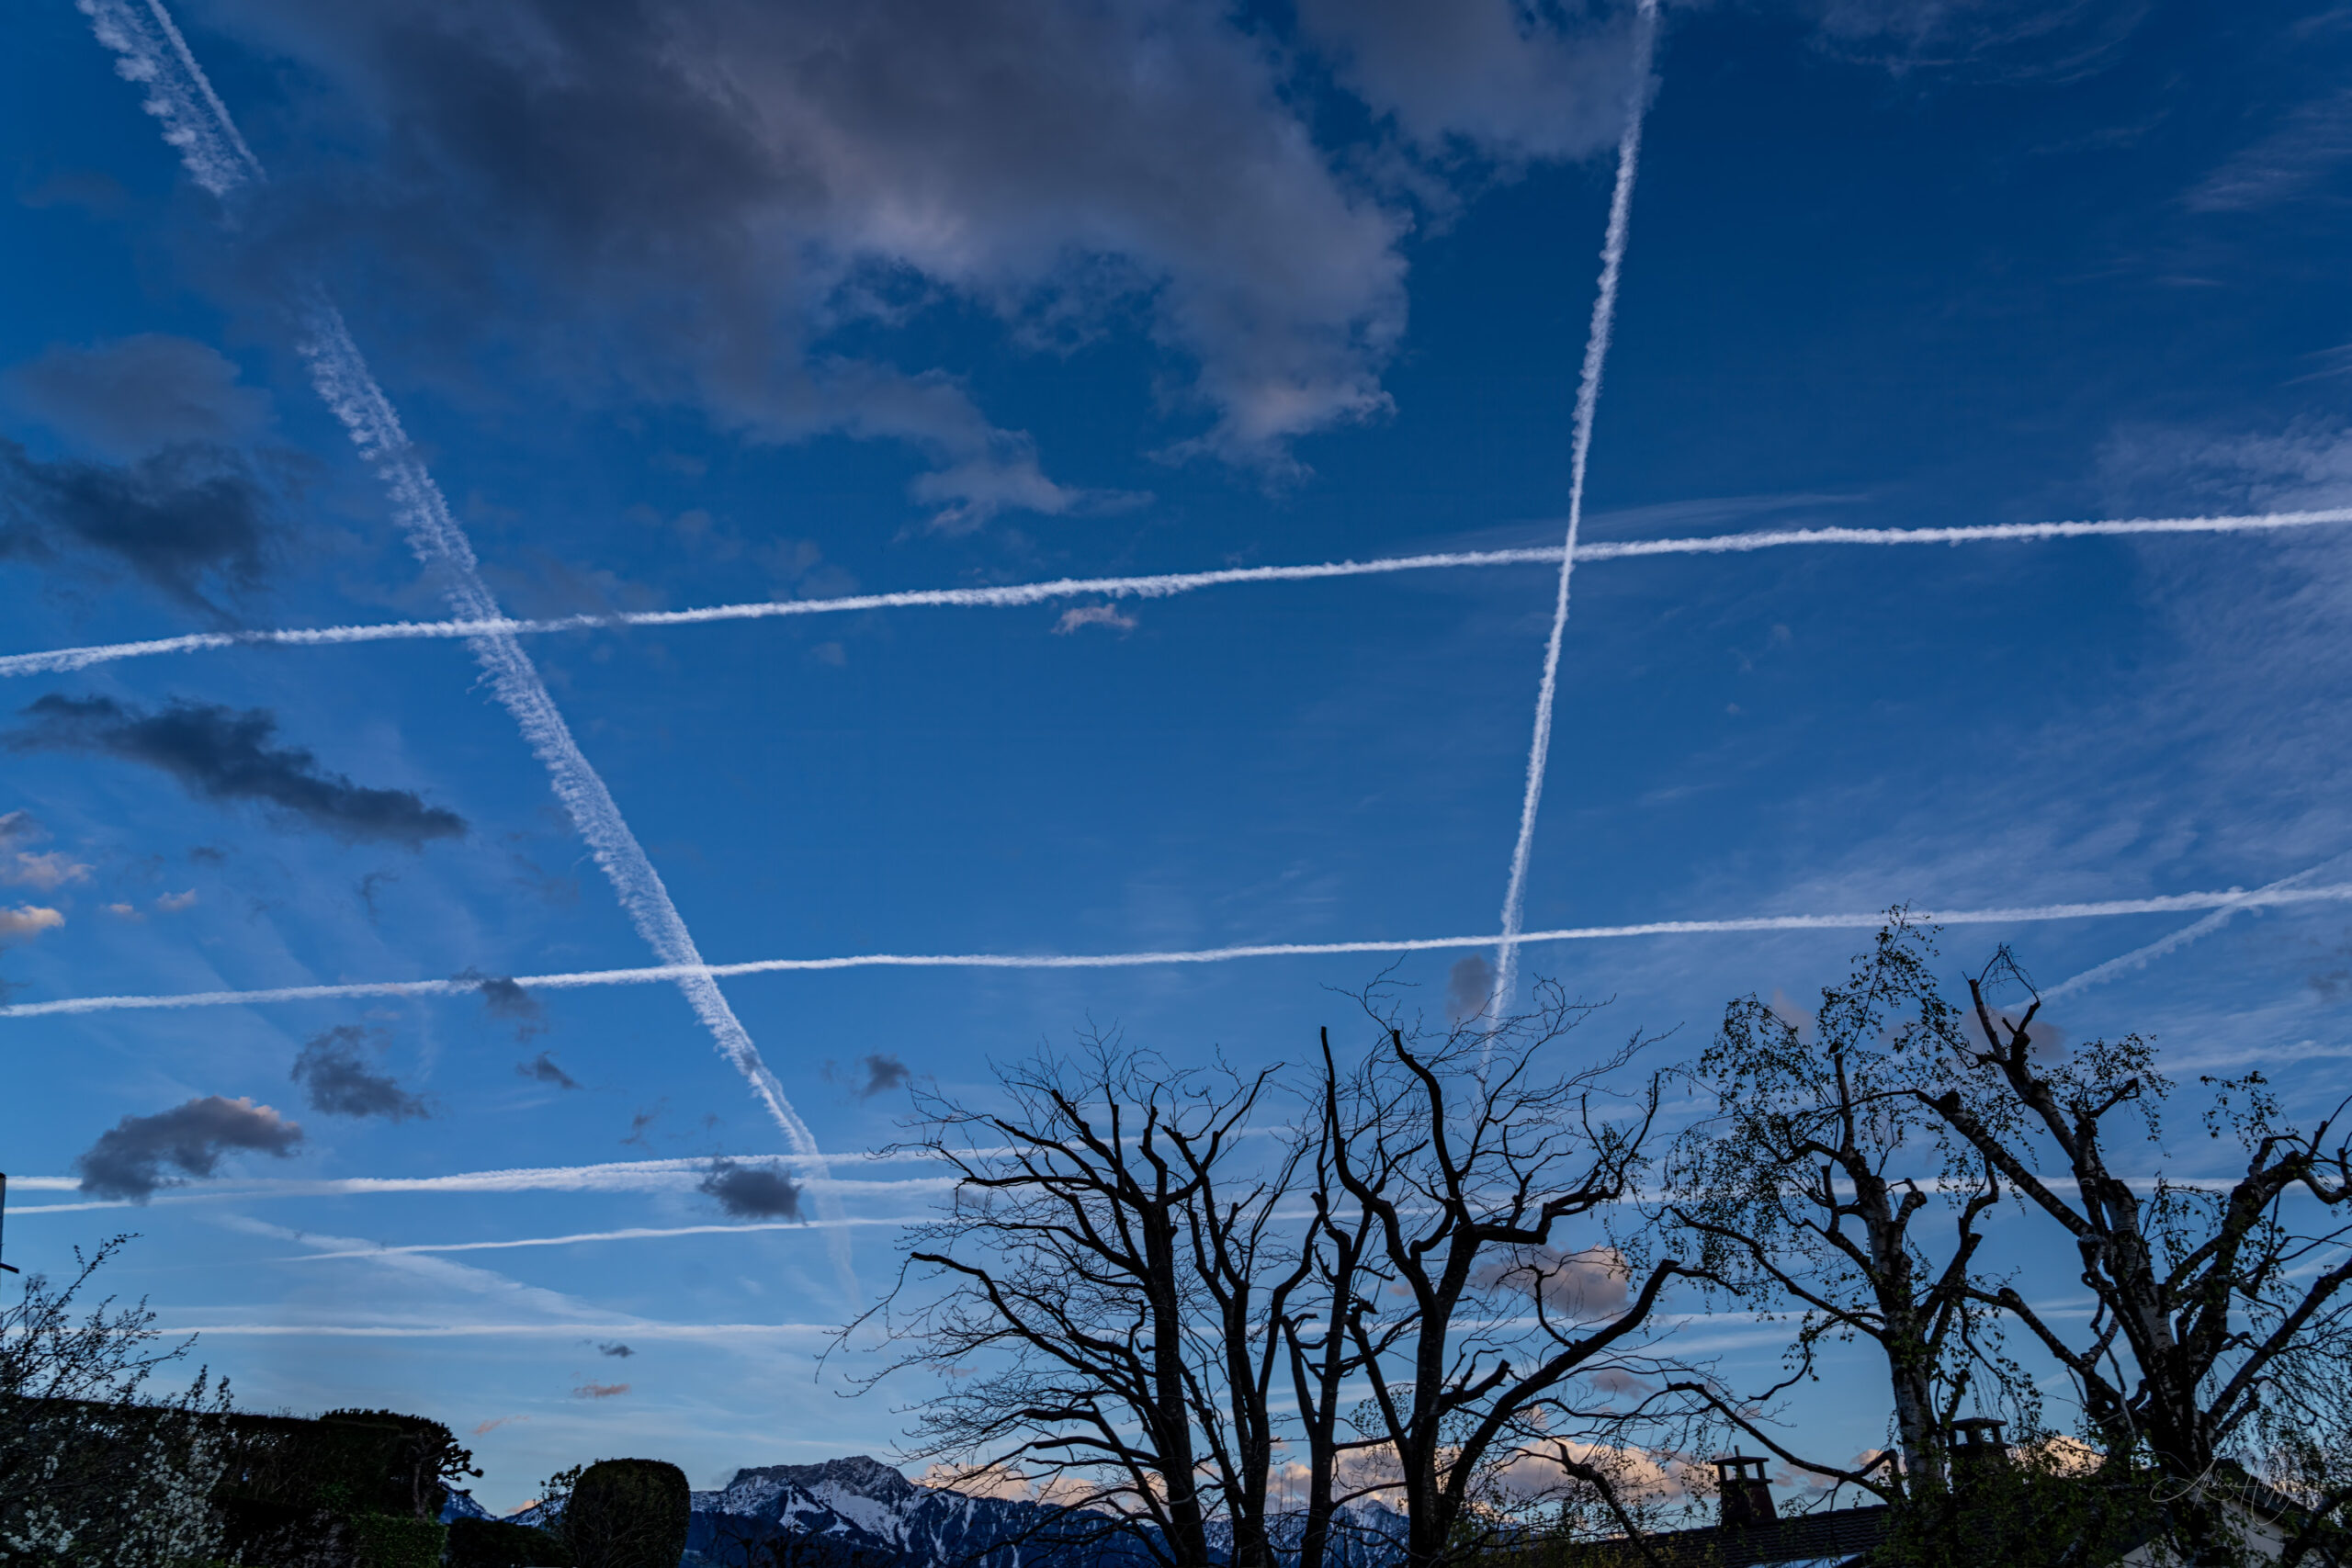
(499, 1543)
(391, 1540)
(628, 1513)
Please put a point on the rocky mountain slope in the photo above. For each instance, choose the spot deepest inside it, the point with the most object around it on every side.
(861, 1513)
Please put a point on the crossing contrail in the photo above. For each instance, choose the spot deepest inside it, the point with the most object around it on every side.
(1160, 585)
(1596, 356)
(200, 125)
(2139, 957)
(2169, 904)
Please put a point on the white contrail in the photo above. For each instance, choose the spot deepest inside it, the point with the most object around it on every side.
(2169, 904)
(341, 374)
(150, 52)
(1154, 586)
(2139, 957)
(532, 1330)
(633, 1232)
(1596, 356)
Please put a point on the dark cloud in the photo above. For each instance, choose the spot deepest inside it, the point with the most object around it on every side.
(616, 1349)
(1468, 986)
(179, 518)
(543, 1069)
(733, 190)
(507, 1000)
(368, 887)
(129, 398)
(222, 753)
(753, 1191)
(642, 1122)
(332, 1070)
(128, 1159)
(883, 1073)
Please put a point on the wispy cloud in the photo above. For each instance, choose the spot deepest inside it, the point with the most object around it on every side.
(333, 1069)
(226, 754)
(180, 518)
(2311, 144)
(46, 870)
(1079, 617)
(129, 398)
(542, 1068)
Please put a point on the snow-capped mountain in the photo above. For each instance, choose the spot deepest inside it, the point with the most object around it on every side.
(861, 1513)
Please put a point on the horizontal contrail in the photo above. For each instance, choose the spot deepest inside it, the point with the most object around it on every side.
(1160, 586)
(467, 1330)
(633, 1232)
(620, 1176)
(2176, 903)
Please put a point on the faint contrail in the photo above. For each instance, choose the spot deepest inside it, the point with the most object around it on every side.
(635, 1330)
(1596, 356)
(2139, 957)
(632, 1232)
(1157, 586)
(200, 125)
(2169, 904)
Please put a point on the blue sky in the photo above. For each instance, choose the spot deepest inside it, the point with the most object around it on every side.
(708, 303)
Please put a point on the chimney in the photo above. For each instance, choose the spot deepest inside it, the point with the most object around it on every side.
(1746, 1495)
(1977, 1451)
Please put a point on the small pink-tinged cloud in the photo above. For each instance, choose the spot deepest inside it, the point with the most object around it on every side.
(173, 903)
(27, 920)
(45, 872)
(1085, 615)
(125, 912)
(600, 1389)
(487, 1427)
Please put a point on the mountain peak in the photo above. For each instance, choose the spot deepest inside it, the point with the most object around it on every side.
(860, 1474)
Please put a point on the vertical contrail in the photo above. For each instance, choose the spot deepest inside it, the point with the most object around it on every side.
(1596, 354)
(151, 51)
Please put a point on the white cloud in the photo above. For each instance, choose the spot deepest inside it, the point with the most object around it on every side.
(46, 871)
(729, 185)
(1513, 81)
(1084, 616)
(27, 920)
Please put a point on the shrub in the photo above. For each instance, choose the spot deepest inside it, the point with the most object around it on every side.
(391, 1540)
(628, 1513)
(500, 1543)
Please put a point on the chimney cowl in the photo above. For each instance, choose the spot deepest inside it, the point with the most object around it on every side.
(1745, 1495)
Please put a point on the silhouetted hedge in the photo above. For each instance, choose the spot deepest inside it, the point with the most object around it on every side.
(353, 1489)
(386, 1540)
(499, 1543)
(628, 1513)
